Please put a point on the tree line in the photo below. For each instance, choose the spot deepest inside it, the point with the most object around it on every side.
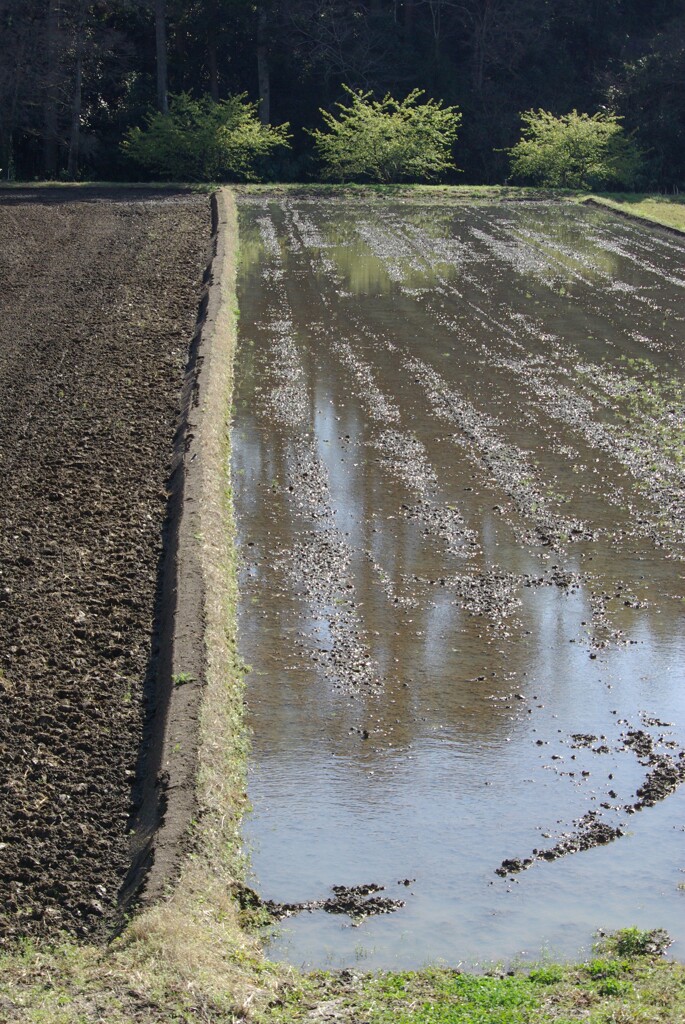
(76, 76)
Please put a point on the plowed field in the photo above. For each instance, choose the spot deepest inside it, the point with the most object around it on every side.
(99, 296)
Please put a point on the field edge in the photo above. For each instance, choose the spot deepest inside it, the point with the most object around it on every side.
(665, 212)
(185, 954)
(196, 927)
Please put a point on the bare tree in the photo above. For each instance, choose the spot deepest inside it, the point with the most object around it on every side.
(345, 40)
(263, 70)
(18, 68)
(77, 99)
(212, 48)
(162, 59)
(496, 33)
(50, 95)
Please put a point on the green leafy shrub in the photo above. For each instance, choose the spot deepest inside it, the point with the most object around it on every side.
(614, 987)
(575, 151)
(387, 140)
(549, 974)
(202, 140)
(602, 968)
(638, 942)
(434, 996)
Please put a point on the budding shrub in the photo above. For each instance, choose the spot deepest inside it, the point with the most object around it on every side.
(580, 151)
(204, 140)
(387, 140)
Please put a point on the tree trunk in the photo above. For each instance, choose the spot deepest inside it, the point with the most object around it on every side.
(479, 57)
(5, 149)
(7, 154)
(409, 18)
(160, 42)
(263, 77)
(75, 135)
(50, 119)
(436, 16)
(213, 71)
(212, 57)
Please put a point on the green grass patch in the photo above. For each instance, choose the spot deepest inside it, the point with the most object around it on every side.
(130, 983)
(667, 211)
(445, 998)
(641, 988)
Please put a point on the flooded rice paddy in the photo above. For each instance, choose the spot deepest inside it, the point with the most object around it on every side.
(459, 479)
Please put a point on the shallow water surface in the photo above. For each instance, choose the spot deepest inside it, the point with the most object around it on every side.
(459, 486)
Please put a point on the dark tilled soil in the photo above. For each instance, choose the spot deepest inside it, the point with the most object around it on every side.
(98, 303)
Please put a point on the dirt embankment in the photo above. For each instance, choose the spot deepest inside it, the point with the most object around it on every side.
(98, 304)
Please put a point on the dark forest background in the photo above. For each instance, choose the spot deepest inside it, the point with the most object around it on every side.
(75, 75)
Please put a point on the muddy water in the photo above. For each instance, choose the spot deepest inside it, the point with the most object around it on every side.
(460, 490)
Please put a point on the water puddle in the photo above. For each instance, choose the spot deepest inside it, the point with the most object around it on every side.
(459, 479)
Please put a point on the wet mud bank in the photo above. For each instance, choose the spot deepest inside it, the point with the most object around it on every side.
(99, 307)
(458, 472)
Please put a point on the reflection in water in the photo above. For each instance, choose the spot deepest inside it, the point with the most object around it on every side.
(426, 404)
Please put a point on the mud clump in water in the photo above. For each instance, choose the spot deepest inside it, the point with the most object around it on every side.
(590, 832)
(320, 568)
(666, 773)
(582, 739)
(664, 778)
(509, 467)
(356, 901)
(641, 742)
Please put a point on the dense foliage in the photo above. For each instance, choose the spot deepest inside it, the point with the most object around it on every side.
(575, 151)
(204, 140)
(387, 140)
(77, 75)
